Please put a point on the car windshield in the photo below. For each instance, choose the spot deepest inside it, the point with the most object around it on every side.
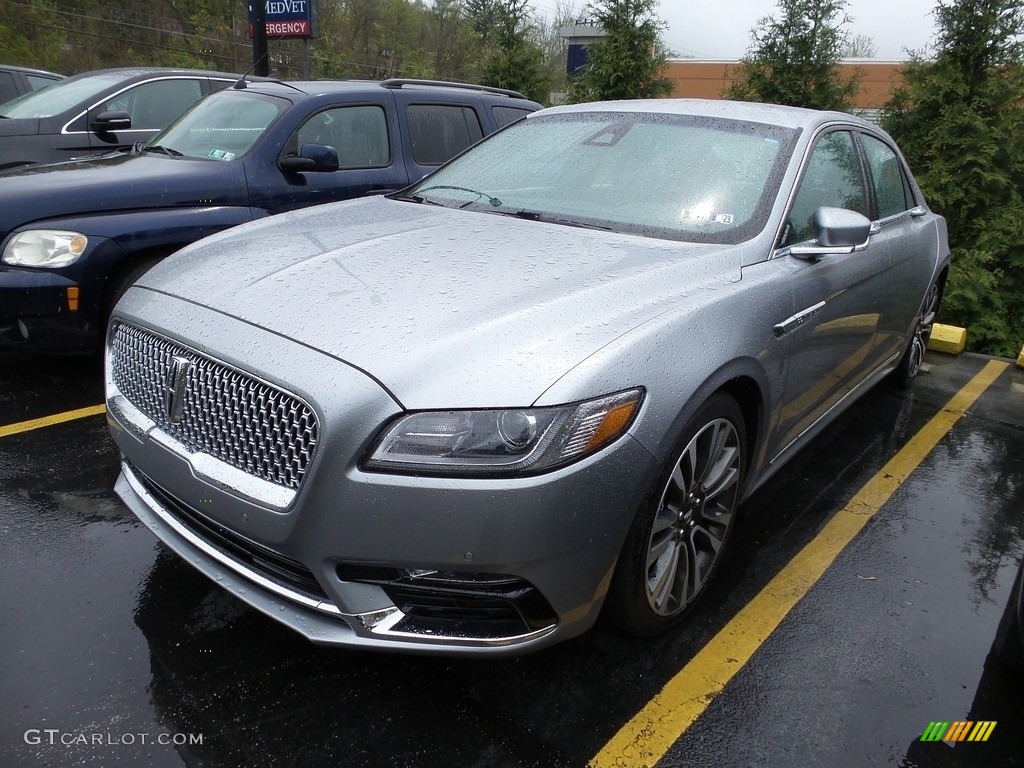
(221, 127)
(669, 176)
(61, 96)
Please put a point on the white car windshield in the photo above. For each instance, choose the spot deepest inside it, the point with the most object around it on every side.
(668, 176)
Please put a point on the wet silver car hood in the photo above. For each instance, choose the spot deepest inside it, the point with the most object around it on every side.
(438, 304)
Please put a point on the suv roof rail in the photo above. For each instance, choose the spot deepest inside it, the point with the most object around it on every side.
(398, 82)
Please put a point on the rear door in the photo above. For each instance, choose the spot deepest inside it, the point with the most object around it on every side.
(908, 232)
(438, 127)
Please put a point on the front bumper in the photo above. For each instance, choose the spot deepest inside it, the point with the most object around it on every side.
(371, 560)
(57, 310)
(37, 311)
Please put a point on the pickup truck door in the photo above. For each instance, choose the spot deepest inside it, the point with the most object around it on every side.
(366, 137)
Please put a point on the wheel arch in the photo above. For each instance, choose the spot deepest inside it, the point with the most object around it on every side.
(746, 382)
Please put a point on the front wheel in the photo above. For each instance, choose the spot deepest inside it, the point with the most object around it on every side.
(677, 541)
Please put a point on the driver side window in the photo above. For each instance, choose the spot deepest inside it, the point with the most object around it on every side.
(832, 178)
(359, 134)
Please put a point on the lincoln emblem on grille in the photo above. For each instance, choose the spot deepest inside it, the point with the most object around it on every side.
(174, 388)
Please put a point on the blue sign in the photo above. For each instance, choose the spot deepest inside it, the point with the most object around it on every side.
(286, 18)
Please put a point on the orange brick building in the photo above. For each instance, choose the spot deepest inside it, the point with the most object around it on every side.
(700, 79)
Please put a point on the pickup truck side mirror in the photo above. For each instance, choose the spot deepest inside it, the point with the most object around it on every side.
(111, 120)
(838, 231)
(311, 158)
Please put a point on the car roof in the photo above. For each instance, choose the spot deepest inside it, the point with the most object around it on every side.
(772, 114)
(129, 73)
(29, 70)
(318, 87)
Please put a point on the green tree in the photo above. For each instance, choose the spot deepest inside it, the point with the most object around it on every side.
(794, 58)
(630, 61)
(517, 62)
(959, 118)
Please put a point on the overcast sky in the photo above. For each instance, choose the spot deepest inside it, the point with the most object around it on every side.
(720, 29)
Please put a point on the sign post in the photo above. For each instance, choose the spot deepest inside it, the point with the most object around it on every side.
(281, 19)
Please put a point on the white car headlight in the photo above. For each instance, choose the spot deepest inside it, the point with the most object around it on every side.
(44, 248)
(501, 442)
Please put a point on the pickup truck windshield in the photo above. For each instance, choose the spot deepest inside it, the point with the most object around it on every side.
(666, 176)
(221, 127)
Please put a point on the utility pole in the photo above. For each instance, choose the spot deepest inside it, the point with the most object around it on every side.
(260, 58)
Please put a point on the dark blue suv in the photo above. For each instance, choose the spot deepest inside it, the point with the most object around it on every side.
(74, 236)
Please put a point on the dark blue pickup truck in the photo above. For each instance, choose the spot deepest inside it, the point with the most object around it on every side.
(74, 236)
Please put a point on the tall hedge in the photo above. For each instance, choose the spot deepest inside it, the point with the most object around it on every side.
(959, 119)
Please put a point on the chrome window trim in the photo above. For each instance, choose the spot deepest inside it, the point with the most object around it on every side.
(64, 131)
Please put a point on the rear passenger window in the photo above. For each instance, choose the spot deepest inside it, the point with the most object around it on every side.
(438, 132)
(38, 81)
(360, 134)
(8, 90)
(507, 115)
(891, 187)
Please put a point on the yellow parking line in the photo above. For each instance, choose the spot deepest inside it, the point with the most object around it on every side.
(46, 421)
(651, 732)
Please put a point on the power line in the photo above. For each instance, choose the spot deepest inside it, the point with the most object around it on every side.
(201, 54)
(204, 54)
(120, 24)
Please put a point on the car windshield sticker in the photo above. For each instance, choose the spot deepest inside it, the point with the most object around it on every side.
(702, 214)
(221, 154)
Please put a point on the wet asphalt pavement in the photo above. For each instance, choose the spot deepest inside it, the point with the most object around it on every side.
(112, 649)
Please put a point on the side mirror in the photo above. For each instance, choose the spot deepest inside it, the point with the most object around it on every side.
(111, 120)
(317, 158)
(837, 231)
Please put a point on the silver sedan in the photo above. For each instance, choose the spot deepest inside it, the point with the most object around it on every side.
(537, 385)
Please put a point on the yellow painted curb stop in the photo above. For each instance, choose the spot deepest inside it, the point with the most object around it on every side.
(948, 339)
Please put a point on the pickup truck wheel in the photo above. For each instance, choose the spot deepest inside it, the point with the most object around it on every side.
(121, 281)
(677, 541)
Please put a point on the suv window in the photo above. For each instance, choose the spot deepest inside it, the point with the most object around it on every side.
(8, 90)
(154, 105)
(360, 134)
(892, 192)
(507, 115)
(438, 132)
(832, 178)
(40, 81)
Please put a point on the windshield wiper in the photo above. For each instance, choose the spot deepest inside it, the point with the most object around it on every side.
(165, 150)
(480, 195)
(551, 219)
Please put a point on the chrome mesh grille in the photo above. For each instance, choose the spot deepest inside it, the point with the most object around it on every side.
(226, 413)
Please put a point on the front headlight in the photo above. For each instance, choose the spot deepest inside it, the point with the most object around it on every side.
(44, 248)
(502, 442)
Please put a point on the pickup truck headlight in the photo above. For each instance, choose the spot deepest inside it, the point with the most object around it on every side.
(502, 442)
(44, 248)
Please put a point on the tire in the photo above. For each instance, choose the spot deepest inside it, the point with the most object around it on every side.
(913, 356)
(677, 541)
